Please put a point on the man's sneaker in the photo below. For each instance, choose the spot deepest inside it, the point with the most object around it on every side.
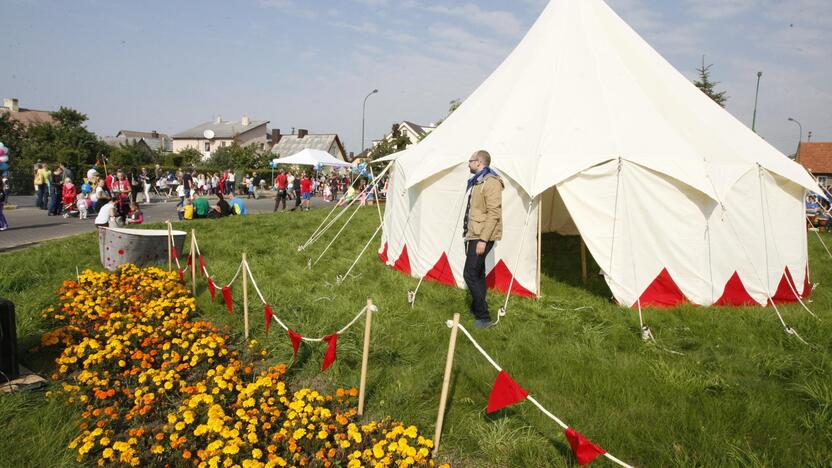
(482, 323)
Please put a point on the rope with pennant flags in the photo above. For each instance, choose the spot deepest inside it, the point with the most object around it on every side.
(506, 392)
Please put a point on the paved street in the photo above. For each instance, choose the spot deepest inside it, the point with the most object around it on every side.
(28, 225)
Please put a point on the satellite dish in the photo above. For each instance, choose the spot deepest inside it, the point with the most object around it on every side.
(209, 134)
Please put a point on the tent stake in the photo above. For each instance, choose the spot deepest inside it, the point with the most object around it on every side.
(362, 388)
(193, 261)
(245, 296)
(583, 261)
(170, 246)
(449, 364)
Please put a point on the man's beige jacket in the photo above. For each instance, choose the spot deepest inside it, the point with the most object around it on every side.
(485, 220)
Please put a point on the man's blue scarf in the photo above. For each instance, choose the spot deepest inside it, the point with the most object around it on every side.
(479, 176)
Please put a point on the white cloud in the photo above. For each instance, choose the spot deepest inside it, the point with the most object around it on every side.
(503, 22)
(720, 9)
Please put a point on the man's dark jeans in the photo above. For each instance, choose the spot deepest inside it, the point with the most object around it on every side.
(474, 275)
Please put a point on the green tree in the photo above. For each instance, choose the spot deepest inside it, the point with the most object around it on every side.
(12, 133)
(69, 117)
(707, 86)
(452, 106)
(65, 141)
(131, 155)
(235, 157)
(187, 157)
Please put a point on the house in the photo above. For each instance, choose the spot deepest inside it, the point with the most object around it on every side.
(209, 136)
(154, 140)
(11, 106)
(287, 145)
(816, 157)
(413, 133)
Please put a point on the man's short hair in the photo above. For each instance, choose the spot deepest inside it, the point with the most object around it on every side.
(484, 157)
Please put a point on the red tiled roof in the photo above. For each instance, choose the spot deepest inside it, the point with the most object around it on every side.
(816, 157)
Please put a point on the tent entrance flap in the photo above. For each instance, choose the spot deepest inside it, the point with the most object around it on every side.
(554, 216)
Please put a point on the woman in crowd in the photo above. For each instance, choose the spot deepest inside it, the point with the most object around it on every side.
(3, 223)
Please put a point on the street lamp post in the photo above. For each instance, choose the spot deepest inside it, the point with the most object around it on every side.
(801, 134)
(756, 94)
(363, 110)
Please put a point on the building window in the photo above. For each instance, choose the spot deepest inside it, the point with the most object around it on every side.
(222, 144)
(262, 146)
(207, 146)
(822, 180)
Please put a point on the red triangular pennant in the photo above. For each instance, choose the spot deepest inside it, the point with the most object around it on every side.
(188, 260)
(441, 272)
(329, 358)
(403, 263)
(226, 293)
(202, 265)
(499, 278)
(269, 314)
(735, 293)
(785, 289)
(181, 275)
(383, 254)
(175, 252)
(212, 288)
(505, 392)
(296, 339)
(807, 285)
(662, 292)
(584, 450)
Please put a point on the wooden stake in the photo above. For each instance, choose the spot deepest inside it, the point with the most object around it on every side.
(193, 261)
(583, 261)
(365, 357)
(170, 246)
(449, 364)
(539, 239)
(245, 295)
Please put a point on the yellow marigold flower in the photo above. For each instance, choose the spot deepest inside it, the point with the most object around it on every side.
(256, 453)
(322, 434)
(157, 449)
(107, 453)
(252, 437)
(230, 449)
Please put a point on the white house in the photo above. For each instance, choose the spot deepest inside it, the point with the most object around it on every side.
(210, 136)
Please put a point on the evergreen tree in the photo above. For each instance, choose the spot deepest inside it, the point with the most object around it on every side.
(707, 86)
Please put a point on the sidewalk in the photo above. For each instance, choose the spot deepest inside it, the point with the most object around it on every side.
(29, 225)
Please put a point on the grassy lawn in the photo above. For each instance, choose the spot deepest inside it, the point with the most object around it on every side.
(742, 394)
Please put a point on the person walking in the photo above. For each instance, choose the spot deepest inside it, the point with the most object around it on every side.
(482, 226)
(56, 187)
(41, 187)
(297, 190)
(306, 191)
(3, 223)
(147, 182)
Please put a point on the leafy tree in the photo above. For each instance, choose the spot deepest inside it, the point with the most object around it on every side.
(187, 157)
(69, 117)
(235, 156)
(131, 155)
(707, 86)
(452, 106)
(381, 149)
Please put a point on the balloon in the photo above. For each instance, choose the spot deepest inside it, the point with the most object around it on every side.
(86, 188)
(4, 166)
(4, 159)
(2, 151)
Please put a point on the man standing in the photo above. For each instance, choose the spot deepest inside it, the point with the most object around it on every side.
(282, 183)
(482, 226)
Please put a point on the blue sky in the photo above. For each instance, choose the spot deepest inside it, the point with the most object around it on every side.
(169, 65)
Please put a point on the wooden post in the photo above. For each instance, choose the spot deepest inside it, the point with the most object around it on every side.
(539, 238)
(193, 261)
(583, 261)
(170, 246)
(245, 295)
(365, 357)
(449, 364)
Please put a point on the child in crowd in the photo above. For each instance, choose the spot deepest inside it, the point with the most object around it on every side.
(135, 215)
(82, 202)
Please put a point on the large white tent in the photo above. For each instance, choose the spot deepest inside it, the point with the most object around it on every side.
(595, 134)
(313, 157)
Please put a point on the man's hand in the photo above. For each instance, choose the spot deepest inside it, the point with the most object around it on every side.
(480, 248)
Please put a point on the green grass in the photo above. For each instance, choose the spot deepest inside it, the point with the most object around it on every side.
(743, 394)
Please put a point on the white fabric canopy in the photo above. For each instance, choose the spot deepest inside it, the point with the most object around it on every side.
(596, 134)
(313, 157)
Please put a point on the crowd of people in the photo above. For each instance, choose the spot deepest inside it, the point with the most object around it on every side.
(817, 212)
(115, 197)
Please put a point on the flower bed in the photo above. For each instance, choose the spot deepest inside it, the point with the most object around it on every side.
(158, 387)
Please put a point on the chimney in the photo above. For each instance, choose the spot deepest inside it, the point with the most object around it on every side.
(218, 120)
(12, 103)
(302, 132)
(154, 134)
(245, 121)
(351, 157)
(276, 135)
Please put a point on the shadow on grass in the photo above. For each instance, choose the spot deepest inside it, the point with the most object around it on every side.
(561, 262)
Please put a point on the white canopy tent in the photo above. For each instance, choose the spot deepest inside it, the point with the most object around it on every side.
(313, 157)
(596, 134)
